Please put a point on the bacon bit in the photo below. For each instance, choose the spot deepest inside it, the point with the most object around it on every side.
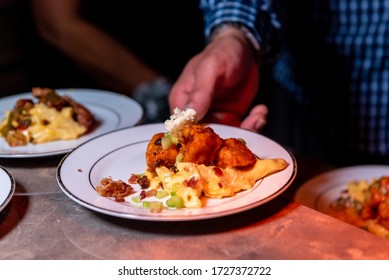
(79, 170)
(149, 193)
(218, 171)
(23, 124)
(192, 182)
(133, 179)
(112, 188)
(142, 195)
(158, 210)
(144, 182)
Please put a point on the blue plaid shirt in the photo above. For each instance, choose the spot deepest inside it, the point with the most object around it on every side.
(334, 59)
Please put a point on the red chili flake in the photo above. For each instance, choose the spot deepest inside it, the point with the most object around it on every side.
(218, 171)
(220, 185)
(79, 170)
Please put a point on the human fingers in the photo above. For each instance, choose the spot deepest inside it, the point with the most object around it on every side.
(182, 88)
(256, 119)
(185, 94)
(196, 85)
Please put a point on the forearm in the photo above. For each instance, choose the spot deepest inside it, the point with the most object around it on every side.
(100, 56)
(104, 59)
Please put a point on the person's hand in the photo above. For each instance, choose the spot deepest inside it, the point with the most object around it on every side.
(256, 120)
(220, 82)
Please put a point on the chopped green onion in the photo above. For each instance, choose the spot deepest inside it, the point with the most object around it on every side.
(242, 140)
(161, 194)
(175, 201)
(135, 199)
(179, 157)
(166, 142)
(145, 204)
(174, 189)
(174, 140)
(155, 206)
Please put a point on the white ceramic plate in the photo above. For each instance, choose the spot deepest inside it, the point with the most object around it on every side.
(111, 110)
(320, 191)
(7, 187)
(120, 153)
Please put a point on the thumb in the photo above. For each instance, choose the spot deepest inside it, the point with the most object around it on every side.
(200, 99)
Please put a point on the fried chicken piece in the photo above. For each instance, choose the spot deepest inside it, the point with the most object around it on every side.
(383, 214)
(157, 156)
(234, 153)
(199, 144)
(379, 192)
(367, 212)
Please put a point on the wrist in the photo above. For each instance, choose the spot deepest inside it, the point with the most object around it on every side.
(239, 31)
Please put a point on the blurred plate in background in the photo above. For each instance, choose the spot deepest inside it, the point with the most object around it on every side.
(111, 110)
(7, 187)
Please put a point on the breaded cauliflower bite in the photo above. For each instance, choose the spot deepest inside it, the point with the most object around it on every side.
(157, 156)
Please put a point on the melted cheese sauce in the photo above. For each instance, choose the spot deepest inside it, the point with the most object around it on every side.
(191, 181)
(49, 124)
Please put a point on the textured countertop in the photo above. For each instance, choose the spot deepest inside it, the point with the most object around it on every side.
(41, 222)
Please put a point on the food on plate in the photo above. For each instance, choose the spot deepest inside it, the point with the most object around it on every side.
(365, 204)
(190, 162)
(52, 117)
(117, 189)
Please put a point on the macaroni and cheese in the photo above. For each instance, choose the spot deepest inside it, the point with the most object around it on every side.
(53, 117)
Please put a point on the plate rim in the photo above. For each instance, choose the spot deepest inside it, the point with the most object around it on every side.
(71, 91)
(12, 188)
(301, 193)
(161, 218)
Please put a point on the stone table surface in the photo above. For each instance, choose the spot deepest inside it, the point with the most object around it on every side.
(41, 222)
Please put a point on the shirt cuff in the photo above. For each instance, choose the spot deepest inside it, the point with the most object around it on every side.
(248, 34)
